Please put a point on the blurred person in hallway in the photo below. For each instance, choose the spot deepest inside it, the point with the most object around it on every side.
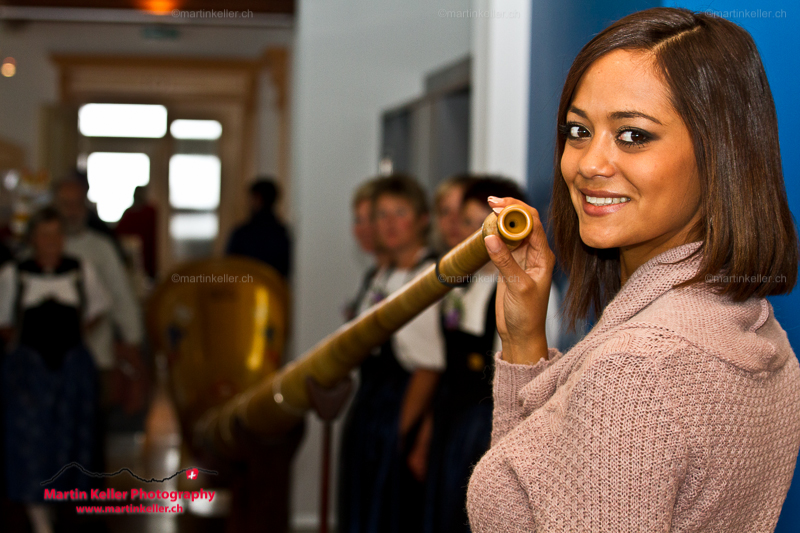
(377, 492)
(116, 341)
(93, 220)
(263, 237)
(139, 222)
(49, 379)
(461, 415)
(364, 233)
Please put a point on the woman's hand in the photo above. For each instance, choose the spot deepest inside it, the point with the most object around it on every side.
(523, 289)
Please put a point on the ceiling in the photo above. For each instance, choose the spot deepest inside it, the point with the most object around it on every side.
(277, 7)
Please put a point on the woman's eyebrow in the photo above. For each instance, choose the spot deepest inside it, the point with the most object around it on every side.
(617, 115)
(580, 112)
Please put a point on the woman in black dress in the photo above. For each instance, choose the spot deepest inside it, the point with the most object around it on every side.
(48, 377)
(377, 492)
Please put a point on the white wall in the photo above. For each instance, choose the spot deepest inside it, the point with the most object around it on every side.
(500, 82)
(35, 84)
(353, 59)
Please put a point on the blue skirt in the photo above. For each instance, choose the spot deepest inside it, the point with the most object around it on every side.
(459, 441)
(50, 421)
(377, 493)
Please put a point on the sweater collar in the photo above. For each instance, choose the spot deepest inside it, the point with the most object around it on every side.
(744, 334)
(650, 281)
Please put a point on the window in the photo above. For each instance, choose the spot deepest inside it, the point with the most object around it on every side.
(194, 181)
(193, 226)
(122, 120)
(112, 178)
(209, 130)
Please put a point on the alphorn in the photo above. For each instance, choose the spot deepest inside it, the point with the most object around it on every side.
(279, 402)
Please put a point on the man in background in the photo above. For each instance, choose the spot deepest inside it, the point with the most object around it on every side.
(263, 237)
(139, 221)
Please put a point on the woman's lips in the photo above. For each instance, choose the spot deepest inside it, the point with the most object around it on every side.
(600, 210)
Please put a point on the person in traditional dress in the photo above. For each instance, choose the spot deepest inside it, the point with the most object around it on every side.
(49, 379)
(364, 233)
(447, 203)
(378, 493)
(461, 417)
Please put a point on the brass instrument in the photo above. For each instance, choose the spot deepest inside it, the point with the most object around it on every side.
(221, 323)
(277, 404)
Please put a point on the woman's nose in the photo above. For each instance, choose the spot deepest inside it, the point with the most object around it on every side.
(596, 160)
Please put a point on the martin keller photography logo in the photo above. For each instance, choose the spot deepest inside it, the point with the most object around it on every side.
(136, 500)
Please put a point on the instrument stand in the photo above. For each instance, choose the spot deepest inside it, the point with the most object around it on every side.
(328, 404)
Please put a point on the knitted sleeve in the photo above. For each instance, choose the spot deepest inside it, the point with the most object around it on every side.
(604, 454)
(509, 379)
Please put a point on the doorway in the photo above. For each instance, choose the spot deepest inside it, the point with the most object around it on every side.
(179, 165)
(197, 180)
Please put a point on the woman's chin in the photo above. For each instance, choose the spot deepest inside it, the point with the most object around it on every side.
(600, 242)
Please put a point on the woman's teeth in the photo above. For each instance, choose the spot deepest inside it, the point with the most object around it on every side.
(606, 201)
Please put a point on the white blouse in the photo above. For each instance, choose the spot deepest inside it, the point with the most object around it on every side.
(62, 288)
(420, 343)
(475, 298)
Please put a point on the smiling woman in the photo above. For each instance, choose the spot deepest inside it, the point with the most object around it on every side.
(687, 102)
(680, 410)
(628, 161)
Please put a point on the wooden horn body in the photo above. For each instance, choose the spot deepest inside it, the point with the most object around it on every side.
(278, 403)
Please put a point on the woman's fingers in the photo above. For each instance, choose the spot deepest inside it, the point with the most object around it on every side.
(523, 289)
(502, 258)
(534, 253)
(538, 254)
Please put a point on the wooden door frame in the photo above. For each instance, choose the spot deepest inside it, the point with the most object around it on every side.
(226, 88)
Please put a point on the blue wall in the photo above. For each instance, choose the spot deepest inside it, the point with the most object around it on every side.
(560, 29)
(558, 32)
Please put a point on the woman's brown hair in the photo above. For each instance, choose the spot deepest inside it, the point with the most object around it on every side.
(719, 88)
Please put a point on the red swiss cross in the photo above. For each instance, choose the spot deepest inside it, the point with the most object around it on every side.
(191, 473)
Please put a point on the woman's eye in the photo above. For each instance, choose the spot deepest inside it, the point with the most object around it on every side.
(633, 137)
(574, 131)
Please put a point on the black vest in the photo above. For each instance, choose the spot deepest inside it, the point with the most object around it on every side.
(467, 380)
(51, 328)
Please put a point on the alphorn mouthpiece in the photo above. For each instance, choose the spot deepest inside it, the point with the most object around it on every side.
(514, 223)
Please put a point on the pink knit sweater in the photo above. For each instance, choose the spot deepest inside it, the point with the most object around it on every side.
(679, 411)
